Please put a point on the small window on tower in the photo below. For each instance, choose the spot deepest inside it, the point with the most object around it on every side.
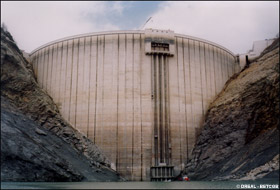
(160, 46)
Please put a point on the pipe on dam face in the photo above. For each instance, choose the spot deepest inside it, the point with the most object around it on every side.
(140, 96)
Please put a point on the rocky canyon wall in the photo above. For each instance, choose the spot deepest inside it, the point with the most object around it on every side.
(37, 144)
(240, 136)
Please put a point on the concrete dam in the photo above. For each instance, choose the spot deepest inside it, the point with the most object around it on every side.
(141, 96)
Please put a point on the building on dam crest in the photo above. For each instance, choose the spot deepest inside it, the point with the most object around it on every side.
(141, 96)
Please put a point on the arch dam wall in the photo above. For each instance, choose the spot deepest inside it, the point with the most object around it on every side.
(139, 95)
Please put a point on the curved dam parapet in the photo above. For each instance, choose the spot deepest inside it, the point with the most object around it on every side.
(141, 96)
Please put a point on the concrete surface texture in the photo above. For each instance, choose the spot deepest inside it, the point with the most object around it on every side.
(141, 96)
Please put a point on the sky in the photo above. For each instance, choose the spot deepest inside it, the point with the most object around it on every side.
(234, 25)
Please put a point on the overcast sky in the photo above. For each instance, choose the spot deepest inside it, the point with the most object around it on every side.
(234, 25)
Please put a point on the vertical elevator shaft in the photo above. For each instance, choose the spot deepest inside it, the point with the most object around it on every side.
(161, 169)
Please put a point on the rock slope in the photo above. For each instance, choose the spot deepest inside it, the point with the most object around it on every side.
(240, 136)
(37, 144)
